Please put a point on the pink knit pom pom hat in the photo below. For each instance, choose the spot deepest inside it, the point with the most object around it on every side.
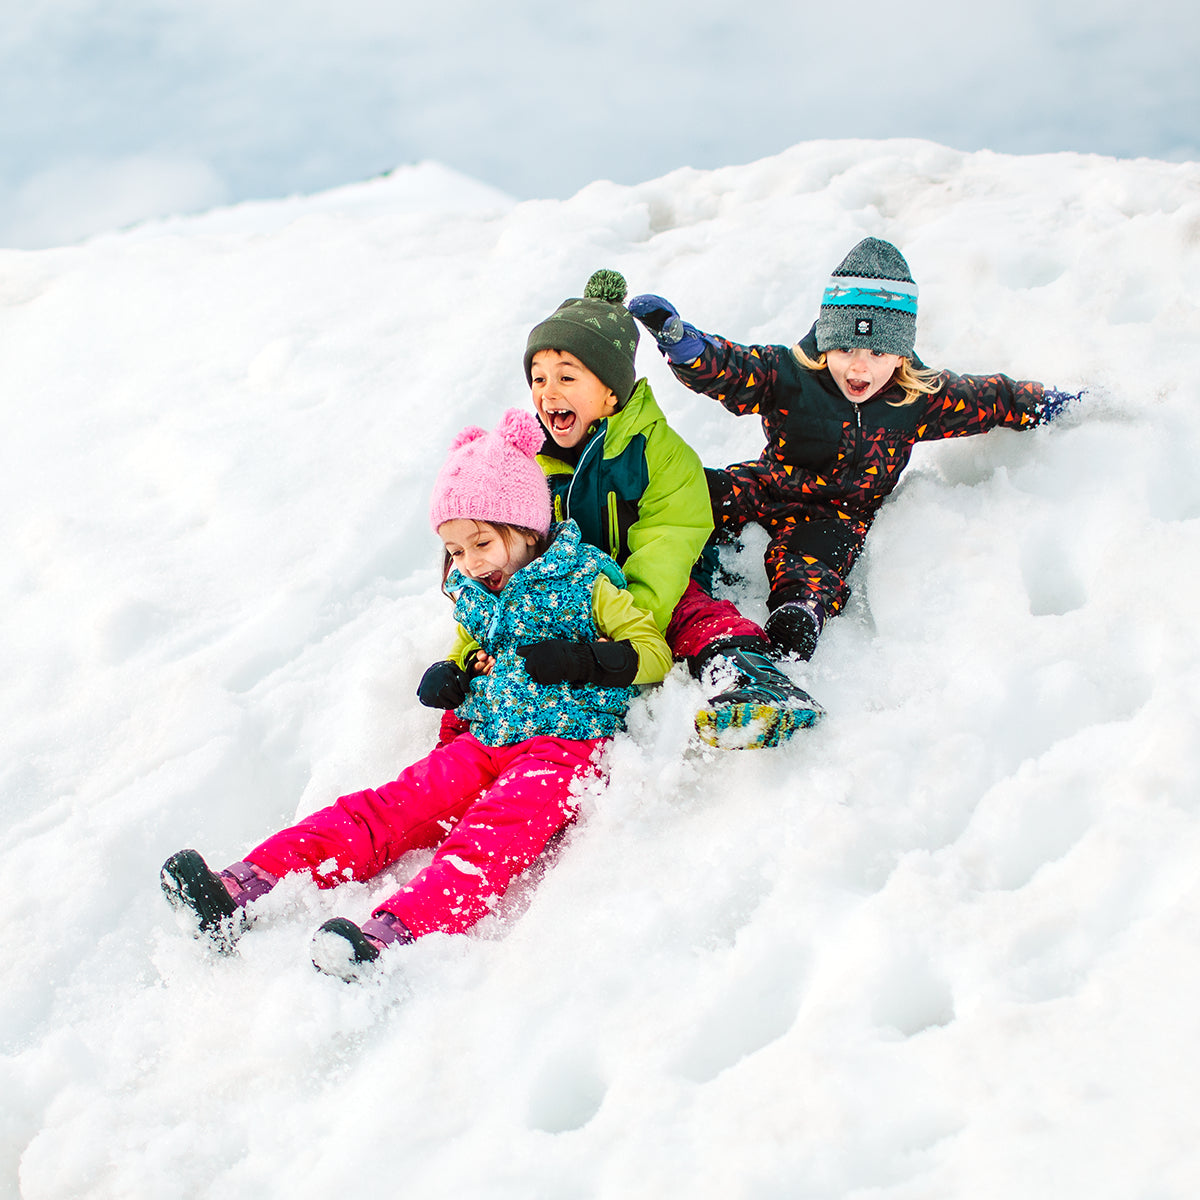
(495, 476)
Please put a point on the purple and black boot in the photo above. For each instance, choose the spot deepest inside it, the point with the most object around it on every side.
(795, 626)
(346, 950)
(217, 900)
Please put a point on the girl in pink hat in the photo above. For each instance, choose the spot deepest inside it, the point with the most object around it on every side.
(549, 650)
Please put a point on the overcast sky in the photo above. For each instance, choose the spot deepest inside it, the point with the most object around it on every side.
(115, 110)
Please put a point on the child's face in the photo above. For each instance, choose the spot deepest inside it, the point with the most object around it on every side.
(861, 373)
(569, 399)
(480, 551)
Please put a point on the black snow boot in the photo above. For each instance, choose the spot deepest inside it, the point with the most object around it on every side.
(190, 885)
(344, 949)
(795, 626)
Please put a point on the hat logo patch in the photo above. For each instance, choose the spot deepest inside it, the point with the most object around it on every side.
(862, 326)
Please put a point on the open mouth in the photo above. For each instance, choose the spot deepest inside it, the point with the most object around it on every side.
(858, 388)
(494, 581)
(561, 420)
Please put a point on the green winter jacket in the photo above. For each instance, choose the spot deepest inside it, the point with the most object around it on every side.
(637, 491)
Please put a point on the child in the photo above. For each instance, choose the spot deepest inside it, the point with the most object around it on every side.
(638, 491)
(841, 412)
(549, 649)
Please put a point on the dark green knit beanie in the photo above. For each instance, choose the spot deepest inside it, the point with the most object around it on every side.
(597, 329)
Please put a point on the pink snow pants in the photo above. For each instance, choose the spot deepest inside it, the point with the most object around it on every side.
(490, 810)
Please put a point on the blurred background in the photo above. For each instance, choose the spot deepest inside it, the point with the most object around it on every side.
(114, 111)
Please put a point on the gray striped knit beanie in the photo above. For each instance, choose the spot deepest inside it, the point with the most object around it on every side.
(870, 301)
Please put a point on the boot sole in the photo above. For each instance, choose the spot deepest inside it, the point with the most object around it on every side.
(753, 726)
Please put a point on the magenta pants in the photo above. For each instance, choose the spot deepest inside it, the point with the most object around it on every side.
(489, 810)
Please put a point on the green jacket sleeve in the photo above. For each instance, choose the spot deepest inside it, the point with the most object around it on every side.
(619, 619)
(464, 646)
(674, 521)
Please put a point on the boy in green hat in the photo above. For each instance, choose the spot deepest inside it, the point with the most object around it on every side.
(638, 492)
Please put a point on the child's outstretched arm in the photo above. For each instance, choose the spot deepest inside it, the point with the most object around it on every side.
(969, 404)
(742, 378)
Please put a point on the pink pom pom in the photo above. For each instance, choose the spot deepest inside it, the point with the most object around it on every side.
(494, 476)
(520, 428)
(470, 434)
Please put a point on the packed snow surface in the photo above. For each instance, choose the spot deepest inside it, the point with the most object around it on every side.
(946, 944)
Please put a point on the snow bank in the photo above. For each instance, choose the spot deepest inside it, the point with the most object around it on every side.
(943, 945)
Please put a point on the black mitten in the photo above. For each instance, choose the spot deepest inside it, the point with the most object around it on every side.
(609, 664)
(444, 685)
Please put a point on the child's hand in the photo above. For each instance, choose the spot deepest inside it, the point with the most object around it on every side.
(1055, 403)
(556, 660)
(679, 341)
(444, 685)
(659, 316)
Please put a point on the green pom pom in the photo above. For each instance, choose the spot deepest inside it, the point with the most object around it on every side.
(606, 285)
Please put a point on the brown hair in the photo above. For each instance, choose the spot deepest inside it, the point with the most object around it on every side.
(913, 381)
(509, 533)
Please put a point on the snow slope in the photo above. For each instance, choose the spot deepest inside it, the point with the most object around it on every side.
(944, 945)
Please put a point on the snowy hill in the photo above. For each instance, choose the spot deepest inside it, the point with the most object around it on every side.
(946, 945)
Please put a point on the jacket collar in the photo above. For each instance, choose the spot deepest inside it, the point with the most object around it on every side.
(555, 560)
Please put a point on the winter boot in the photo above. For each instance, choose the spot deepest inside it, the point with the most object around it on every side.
(795, 626)
(344, 949)
(762, 707)
(218, 901)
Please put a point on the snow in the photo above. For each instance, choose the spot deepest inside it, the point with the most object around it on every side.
(944, 944)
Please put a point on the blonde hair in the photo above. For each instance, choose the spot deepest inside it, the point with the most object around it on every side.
(913, 381)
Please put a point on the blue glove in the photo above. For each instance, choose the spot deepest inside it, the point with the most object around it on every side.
(1055, 403)
(679, 341)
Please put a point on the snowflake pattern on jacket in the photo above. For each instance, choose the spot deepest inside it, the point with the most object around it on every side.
(551, 597)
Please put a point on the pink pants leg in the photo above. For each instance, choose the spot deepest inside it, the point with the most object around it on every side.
(500, 835)
(360, 834)
(508, 801)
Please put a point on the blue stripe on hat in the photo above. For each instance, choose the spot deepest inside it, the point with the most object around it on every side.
(844, 291)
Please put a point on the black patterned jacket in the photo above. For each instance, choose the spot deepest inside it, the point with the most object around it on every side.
(826, 456)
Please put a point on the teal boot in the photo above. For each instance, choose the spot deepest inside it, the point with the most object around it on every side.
(763, 707)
